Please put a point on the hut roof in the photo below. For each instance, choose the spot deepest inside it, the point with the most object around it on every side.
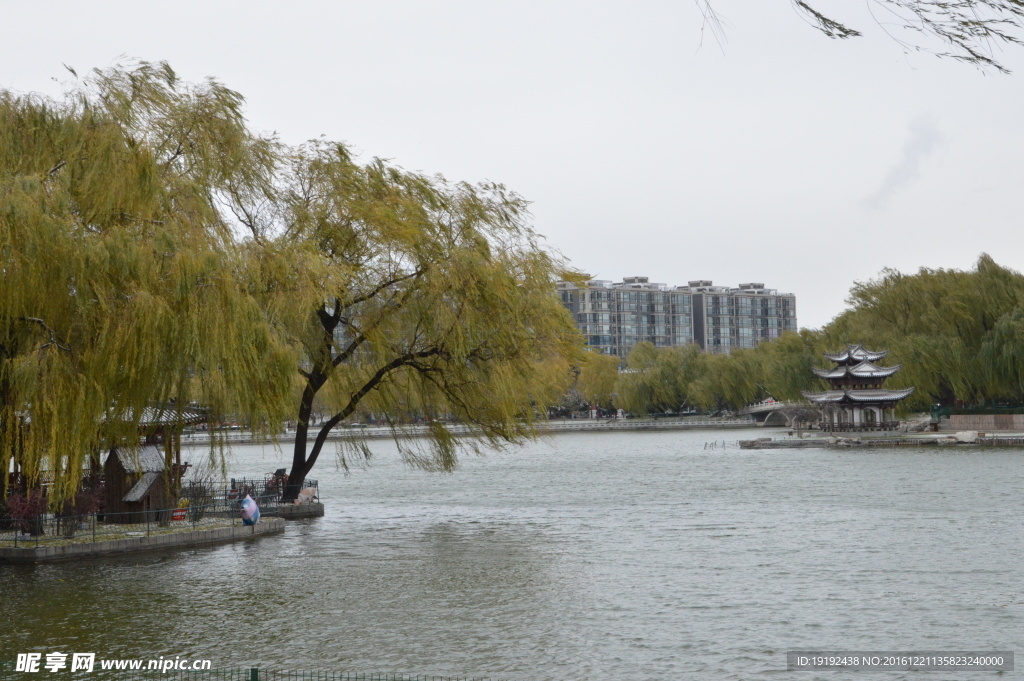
(147, 462)
(148, 459)
(141, 487)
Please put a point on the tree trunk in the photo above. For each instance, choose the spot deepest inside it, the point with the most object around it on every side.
(300, 465)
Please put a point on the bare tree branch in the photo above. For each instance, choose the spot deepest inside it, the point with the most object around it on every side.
(970, 29)
(833, 29)
(52, 334)
(356, 397)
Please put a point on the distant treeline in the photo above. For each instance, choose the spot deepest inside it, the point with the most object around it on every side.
(959, 336)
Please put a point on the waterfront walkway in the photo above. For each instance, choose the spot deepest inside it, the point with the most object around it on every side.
(46, 549)
(545, 428)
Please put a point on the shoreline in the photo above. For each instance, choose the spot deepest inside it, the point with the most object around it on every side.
(116, 547)
(1009, 439)
(546, 428)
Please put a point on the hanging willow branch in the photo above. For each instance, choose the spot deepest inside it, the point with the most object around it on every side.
(121, 283)
(970, 30)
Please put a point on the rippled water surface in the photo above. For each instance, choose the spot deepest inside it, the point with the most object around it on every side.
(639, 556)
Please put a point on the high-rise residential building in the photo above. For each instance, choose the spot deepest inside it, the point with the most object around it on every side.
(616, 316)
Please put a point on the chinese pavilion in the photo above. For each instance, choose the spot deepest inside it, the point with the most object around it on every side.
(857, 400)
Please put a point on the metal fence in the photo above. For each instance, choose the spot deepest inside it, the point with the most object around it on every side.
(267, 491)
(52, 528)
(207, 506)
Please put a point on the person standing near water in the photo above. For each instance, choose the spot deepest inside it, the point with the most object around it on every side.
(250, 511)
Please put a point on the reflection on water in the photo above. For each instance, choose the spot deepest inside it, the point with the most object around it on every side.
(634, 555)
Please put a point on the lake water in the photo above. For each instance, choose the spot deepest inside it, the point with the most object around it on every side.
(625, 556)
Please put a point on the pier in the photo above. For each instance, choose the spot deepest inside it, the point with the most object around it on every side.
(1009, 440)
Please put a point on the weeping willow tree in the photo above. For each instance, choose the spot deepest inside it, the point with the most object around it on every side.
(659, 379)
(120, 280)
(410, 296)
(665, 379)
(596, 382)
(957, 333)
(126, 281)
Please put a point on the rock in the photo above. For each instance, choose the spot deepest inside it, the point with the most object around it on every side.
(967, 436)
(917, 424)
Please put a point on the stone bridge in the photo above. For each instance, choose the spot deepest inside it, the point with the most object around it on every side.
(777, 413)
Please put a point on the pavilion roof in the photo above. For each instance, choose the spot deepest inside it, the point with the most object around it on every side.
(855, 352)
(864, 369)
(857, 396)
(166, 415)
(169, 416)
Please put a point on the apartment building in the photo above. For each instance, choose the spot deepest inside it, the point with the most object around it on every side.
(616, 316)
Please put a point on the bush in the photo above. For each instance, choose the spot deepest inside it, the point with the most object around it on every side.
(28, 512)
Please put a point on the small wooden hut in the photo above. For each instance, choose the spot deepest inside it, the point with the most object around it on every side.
(140, 483)
(137, 484)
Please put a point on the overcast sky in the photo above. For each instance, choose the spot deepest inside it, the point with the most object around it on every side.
(778, 156)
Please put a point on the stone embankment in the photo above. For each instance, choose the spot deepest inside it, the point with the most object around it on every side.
(300, 511)
(905, 440)
(174, 540)
(545, 428)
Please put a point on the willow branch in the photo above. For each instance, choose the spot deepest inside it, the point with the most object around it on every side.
(49, 331)
(357, 397)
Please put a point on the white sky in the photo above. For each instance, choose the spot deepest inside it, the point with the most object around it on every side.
(780, 156)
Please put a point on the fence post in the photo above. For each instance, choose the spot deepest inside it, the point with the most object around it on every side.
(254, 674)
(94, 526)
(147, 522)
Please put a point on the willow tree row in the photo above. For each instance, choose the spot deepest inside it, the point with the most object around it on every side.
(153, 249)
(958, 334)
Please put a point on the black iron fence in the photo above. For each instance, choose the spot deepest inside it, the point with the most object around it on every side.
(268, 491)
(50, 528)
(203, 505)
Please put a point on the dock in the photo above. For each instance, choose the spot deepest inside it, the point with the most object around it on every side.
(929, 440)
